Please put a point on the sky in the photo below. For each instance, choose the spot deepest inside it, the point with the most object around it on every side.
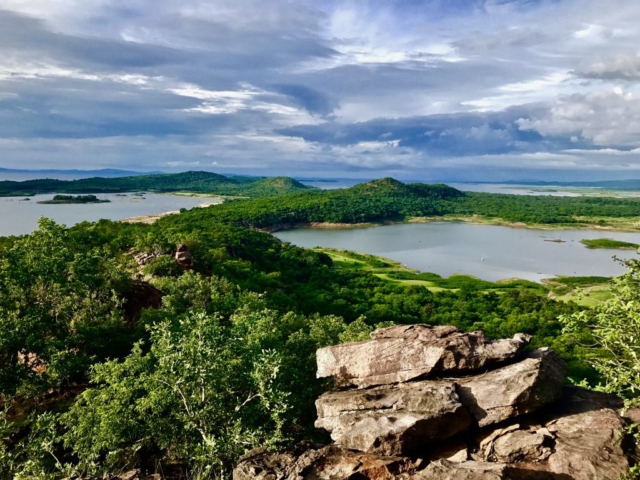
(433, 90)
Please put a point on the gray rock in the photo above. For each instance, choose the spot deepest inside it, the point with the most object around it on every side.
(394, 419)
(514, 390)
(409, 352)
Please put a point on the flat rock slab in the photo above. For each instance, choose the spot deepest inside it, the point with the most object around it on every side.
(394, 419)
(409, 352)
(514, 390)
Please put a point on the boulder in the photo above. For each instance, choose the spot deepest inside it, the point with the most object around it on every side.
(183, 257)
(410, 352)
(581, 438)
(393, 419)
(402, 418)
(514, 390)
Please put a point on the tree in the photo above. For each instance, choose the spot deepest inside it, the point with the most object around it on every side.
(615, 328)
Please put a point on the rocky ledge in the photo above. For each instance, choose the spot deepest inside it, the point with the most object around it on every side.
(418, 402)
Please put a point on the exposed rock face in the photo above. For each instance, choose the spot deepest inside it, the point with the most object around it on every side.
(409, 352)
(515, 389)
(183, 257)
(510, 418)
(395, 419)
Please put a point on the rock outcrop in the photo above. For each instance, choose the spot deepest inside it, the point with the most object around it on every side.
(409, 352)
(432, 403)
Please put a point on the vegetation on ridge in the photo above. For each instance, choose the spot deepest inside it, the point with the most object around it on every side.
(108, 364)
(195, 182)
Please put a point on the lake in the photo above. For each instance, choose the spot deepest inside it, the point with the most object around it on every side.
(485, 251)
(18, 217)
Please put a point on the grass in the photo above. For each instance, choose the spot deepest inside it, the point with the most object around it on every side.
(609, 243)
(395, 272)
(586, 291)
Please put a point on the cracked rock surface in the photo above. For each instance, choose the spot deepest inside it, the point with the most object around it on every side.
(418, 402)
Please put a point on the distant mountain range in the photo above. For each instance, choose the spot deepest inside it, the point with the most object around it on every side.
(105, 172)
(194, 182)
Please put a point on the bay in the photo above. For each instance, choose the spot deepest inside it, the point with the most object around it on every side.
(19, 216)
(485, 251)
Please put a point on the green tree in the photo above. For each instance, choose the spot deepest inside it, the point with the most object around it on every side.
(614, 326)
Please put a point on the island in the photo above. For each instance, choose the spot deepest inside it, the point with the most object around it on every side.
(66, 199)
(609, 243)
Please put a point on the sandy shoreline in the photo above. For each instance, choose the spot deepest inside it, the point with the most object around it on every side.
(154, 217)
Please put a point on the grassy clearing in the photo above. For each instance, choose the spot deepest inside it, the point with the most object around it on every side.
(393, 271)
(609, 243)
(587, 291)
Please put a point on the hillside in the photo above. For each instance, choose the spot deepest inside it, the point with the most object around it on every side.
(391, 200)
(195, 182)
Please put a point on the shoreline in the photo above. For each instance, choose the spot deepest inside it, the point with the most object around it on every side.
(151, 218)
(471, 220)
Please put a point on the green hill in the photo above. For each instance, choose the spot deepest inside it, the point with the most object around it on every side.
(195, 182)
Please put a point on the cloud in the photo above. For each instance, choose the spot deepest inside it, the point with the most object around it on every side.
(603, 117)
(621, 67)
(408, 88)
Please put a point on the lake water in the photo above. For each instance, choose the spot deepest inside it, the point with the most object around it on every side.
(485, 251)
(18, 217)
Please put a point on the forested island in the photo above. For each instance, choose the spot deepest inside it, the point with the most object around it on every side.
(196, 182)
(183, 344)
(609, 243)
(65, 199)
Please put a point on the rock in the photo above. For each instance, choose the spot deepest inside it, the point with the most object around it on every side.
(522, 445)
(446, 470)
(143, 258)
(409, 352)
(395, 419)
(580, 438)
(590, 439)
(328, 463)
(514, 390)
(183, 257)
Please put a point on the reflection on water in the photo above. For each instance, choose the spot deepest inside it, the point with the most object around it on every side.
(485, 251)
(19, 216)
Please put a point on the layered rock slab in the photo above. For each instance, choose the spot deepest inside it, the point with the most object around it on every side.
(400, 419)
(409, 352)
(393, 419)
(514, 390)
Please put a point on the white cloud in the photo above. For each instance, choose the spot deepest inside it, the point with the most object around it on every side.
(604, 117)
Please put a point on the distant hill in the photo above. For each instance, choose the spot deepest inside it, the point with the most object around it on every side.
(194, 182)
(104, 172)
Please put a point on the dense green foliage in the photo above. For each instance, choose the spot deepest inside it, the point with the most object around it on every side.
(390, 200)
(196, 182)
(95, 376)
(609, 243)
(61, 199)
(615, 328)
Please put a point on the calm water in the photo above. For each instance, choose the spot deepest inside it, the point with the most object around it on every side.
(485, 251)
(18, 217)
